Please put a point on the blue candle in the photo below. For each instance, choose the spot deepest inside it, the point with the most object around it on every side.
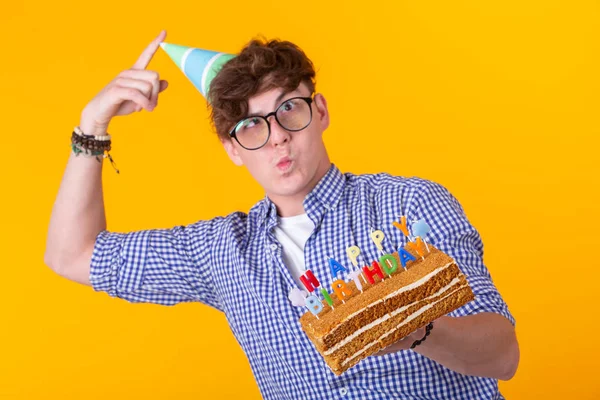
(336, 267)
(313, 304)
(405, 257)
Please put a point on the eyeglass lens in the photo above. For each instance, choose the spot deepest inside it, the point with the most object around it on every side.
(293, 115)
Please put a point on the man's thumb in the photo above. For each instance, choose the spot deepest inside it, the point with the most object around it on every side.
(163, 86)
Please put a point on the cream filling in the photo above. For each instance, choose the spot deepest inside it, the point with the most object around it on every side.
(406, 321)
(378, 321)
(411, 286)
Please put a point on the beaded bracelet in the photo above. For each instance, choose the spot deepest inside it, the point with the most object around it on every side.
(92, 146)
(427, 332)
(90, 143)
(77, 130)
(78, 149)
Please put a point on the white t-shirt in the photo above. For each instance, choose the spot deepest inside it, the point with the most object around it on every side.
(292, 233)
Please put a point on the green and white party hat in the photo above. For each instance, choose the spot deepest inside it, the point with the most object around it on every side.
(200, 66)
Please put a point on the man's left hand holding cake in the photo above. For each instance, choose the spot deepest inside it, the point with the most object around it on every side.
(464, 344)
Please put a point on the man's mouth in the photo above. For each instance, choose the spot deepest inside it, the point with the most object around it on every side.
(284, 163)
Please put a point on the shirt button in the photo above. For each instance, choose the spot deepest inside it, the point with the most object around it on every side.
(343, 391)
(273, 247)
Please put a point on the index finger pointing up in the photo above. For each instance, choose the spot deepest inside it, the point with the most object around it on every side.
(148, 53)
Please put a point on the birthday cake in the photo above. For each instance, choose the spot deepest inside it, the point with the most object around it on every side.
(407, 289)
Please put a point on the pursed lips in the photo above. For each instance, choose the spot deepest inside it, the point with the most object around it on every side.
(282, 161)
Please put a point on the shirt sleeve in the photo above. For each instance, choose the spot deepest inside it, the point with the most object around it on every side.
(452, 233)
(161, 266)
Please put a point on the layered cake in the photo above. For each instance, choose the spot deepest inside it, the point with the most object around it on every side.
(423, 289)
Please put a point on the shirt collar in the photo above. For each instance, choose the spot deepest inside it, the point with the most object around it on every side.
(326, 194)
(328, 190)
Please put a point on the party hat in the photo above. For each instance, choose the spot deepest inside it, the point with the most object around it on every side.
(200, 66)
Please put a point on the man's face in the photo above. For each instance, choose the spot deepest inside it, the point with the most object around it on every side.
(290, 163)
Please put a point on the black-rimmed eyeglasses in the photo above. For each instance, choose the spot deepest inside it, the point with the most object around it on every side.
(293, 115)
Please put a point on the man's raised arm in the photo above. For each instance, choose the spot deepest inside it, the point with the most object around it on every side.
(78, 213)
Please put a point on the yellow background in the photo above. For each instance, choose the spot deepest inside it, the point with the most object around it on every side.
(498, 101)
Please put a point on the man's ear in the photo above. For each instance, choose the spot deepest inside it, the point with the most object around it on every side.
(232, 151)
(322, 113)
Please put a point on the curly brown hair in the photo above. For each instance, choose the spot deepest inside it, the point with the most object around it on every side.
(261, 66)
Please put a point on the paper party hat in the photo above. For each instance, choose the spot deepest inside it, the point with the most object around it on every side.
(200, 66)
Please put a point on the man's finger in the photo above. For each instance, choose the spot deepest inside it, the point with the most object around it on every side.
(402, 344)
(148, 53)
(156, 89)
(163, 85)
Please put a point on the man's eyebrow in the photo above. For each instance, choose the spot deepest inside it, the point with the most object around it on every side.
(277, 101)
(281, 96)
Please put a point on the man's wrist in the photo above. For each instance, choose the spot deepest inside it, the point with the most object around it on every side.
(428, 329)
(90, 128)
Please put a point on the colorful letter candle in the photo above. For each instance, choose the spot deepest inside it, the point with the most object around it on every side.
(372, 272)
(377, 237)
(313, 304)
(388, 263)
(336, 267)
(354, 276)
(402, 225)
(327, 297)
(417, 246)
(309, 281)
(421, 229)
(340, 289)
(353, 252)
(405, 257)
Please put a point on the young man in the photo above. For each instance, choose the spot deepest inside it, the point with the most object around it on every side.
(270, 120)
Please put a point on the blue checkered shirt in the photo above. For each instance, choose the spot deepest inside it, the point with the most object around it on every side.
(234, 264)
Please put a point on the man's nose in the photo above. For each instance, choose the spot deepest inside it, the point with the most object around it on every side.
(278, 134)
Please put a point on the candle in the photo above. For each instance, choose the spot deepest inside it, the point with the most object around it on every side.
(417, 246)
(405, 257)
(340, 289)
(313, 304)
(327, 297)
(353, 252)
(297, 297)
(336, 267)
(354, 276)
(377, 237)
(388, 263)
(372, 272)
(420, 228)
(402, 225)
(309, 281)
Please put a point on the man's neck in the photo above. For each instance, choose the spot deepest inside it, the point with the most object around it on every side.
(290, 207)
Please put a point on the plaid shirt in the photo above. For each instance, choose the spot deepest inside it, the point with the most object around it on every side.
(234, 264)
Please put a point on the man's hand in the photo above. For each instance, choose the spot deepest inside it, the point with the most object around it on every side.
(132, 90)
(483, 344)
(404, 343)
